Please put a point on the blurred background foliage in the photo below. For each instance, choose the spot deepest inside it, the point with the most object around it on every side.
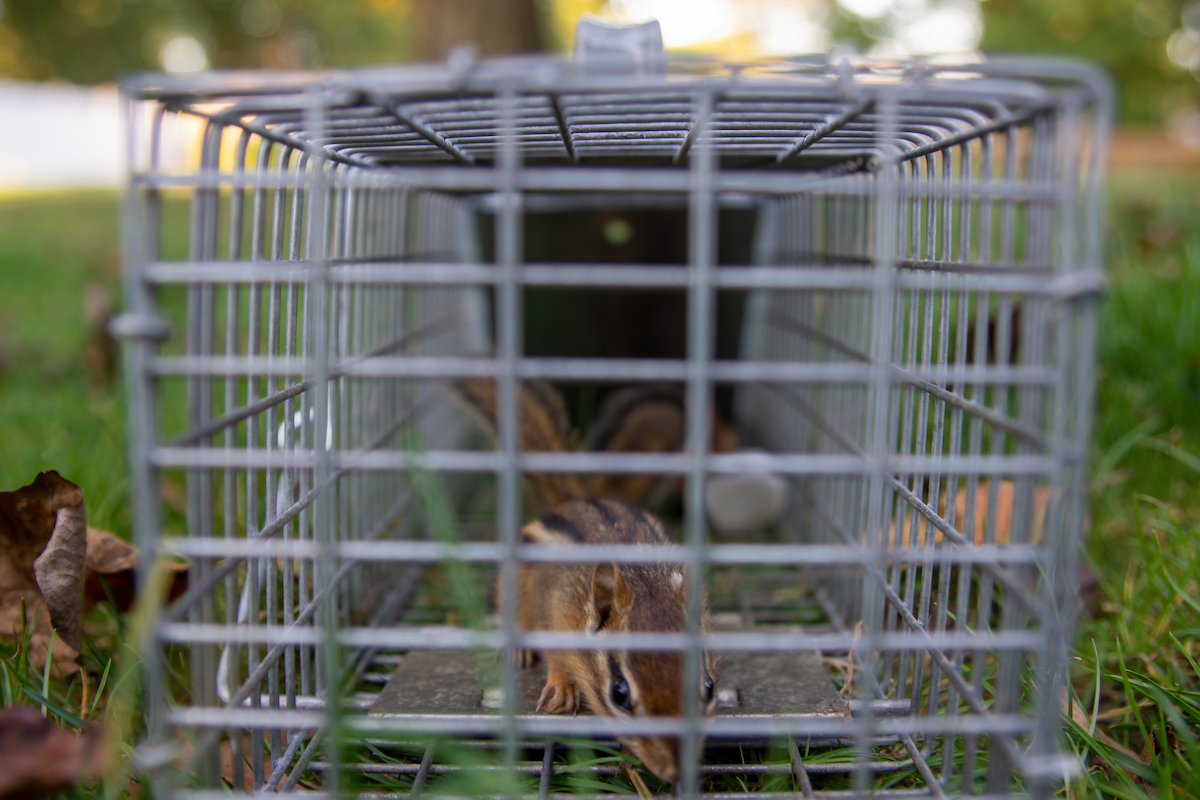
(91, 41)
(1152, 47)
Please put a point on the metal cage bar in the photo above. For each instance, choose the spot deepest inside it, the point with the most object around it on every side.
(914, 364)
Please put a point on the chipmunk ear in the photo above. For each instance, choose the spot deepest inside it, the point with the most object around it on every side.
(679, 585)
(609, 593)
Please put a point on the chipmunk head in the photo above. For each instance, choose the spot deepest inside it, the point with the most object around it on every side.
(644, 598)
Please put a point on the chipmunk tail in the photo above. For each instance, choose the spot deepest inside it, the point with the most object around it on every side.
(545, 428)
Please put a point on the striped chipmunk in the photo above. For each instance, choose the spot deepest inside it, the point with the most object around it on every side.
(595, 597)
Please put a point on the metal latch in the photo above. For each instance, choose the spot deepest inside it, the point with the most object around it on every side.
(139, 326)
(620, 48)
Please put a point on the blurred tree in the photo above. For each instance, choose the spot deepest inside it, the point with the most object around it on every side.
(1138, 41)
(91, 41)
(561, 16)
(493, 27)
(1151, 47)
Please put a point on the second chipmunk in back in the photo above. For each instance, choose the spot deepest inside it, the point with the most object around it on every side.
(599, 597)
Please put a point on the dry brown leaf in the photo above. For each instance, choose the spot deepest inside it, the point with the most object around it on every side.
(60, 567)
(43, 543)
(1081, 719)
(112, 560)
(247, 761)
(38, 758)
(226, 755)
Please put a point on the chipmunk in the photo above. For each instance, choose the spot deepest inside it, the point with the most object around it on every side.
(650, 418)
(594, 597)
(544, 428)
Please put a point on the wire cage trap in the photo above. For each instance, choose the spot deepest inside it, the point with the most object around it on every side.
(880, 275)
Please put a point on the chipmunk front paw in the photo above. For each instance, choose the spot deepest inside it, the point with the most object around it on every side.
(558, 695)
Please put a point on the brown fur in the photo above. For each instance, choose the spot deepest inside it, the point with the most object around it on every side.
(642, 419)
(609, 597)
(593, 597)
(544, 428)
(646, 419)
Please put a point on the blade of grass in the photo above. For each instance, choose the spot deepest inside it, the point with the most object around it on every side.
(1133, 703)
(46, 670)
(1160, 561)
(100, 688)
(59, 711)
(573, 782)
(1166, 700)
(26, 635)
(1186, 654)
(1165, 783)
(588, 744)
(1096, 699)
(596, 762)
(1177, 453)
(1121, 761)
(7, 684)
(1186, 541)
(1122, 446)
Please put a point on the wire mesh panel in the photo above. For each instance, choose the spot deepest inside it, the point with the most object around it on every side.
(900, 340)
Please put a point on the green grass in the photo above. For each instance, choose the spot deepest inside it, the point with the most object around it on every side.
(52, 247)
(1137, 652)
(1135, 668)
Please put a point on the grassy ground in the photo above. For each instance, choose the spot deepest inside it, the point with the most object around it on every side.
(1135, 673)
(1134, 709)
(55, 249)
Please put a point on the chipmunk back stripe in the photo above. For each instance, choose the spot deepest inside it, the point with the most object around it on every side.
(606, 513)
(560, 524)
(545, 428)
(537, 533)
(615, 411)
(643, 518)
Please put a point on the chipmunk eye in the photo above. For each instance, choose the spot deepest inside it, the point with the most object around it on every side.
(708, 688)
(620, 694)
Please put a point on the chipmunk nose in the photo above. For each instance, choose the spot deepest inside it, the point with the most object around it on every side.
(668, 772)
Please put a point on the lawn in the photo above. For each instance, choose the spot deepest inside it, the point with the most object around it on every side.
(1137, 645)
(59, 413)
(1135, 701)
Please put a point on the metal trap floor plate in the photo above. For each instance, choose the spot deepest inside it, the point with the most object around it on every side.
(446, 683)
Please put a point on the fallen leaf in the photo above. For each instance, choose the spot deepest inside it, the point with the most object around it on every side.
(43, 545)
(226, 756)
(38, 758)
(60, 568)
(1147, 756)
(247, 762)
(112, 560)
(1081, 719)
